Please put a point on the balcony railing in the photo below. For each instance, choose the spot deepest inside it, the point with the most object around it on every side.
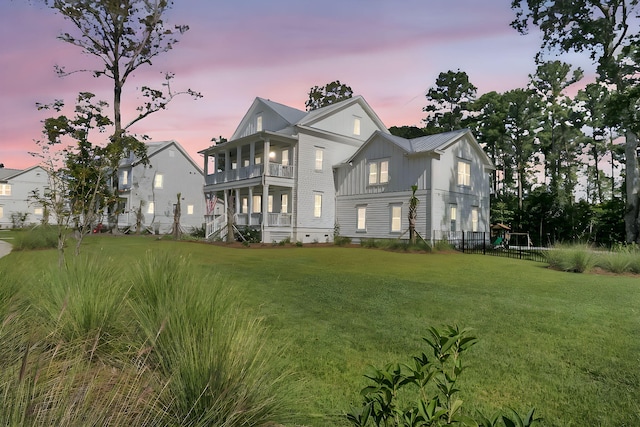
(253, 171)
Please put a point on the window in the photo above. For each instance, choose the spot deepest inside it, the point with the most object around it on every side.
(189, 209)
(1, 212)
(285, 157)
(157, 181)
(284, 203)
(151, 208)
(319, 155)
(464, 173)
(356, 125)
(384, 172)
(125, 177)
(379, 172)
(38, 211)
(362, 218)
(373, 173)
(245, 205)
(396, 218)
(257, 160)
(257, 203)
(453, 214)
(474, 219)
(5, 189)
(259, 123)
(270, 203)
(317, 205)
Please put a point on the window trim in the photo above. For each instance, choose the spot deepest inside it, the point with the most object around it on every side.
(453, 217)
(399, 218)
(5, 190)
(284, 203)
(464, 173)
(475, 218)
(357, 125)
(319, 160)
(317, 205)
(378, 174)
(361, 209)
(151, 208)
(158, 181)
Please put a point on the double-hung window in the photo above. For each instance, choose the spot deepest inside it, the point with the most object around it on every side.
(396, 218)
(5, 189)
(453, 216)
(362, 218)
(317, 205)
(157, 181)
(464, 173)
(378, 172)
(319, 156)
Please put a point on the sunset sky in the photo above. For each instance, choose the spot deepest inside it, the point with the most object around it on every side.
(390, 52)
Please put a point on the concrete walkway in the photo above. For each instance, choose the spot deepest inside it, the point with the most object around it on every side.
(5, 248)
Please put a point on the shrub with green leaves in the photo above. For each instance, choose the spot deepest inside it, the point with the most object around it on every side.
(428, 388)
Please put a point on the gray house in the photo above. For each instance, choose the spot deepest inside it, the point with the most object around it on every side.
(276, 171)
(450, 170)
(297, 175)
(15, 188)
(153, 189)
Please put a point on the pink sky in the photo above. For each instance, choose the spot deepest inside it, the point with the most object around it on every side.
(388, 52)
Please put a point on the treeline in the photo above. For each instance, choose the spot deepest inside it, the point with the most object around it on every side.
(559, 158)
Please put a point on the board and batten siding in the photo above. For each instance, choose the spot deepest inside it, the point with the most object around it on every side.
(403, 171)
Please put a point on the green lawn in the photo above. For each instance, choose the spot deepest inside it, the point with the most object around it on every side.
(565, 343)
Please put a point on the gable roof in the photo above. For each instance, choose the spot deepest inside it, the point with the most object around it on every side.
(294, 117)
(315, 116)
(427, 144)
(7, 174)
(154, 148)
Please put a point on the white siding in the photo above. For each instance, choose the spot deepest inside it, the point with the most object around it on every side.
(342, 123)
(19, 201)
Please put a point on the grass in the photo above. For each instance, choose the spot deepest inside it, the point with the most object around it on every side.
(564, 343)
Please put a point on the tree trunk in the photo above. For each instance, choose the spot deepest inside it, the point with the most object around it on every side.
(632, 181)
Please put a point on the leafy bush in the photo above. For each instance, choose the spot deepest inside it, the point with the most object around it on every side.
(41, 237)
(341, 240)
(427, 387)
(198, 232)
(250, 234)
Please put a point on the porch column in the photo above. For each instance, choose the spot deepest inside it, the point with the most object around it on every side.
(250, 204)
(238, 161)
(267, 148)
(206, 164)
(252, 153)
(227, 161)
(237, 190)
(265, 205)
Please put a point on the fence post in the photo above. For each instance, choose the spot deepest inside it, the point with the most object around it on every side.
(484, 243)
(463, 248)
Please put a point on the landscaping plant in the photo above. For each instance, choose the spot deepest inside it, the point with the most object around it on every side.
(429, 388)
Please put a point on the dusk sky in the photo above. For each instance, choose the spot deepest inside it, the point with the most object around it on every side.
(390, 52)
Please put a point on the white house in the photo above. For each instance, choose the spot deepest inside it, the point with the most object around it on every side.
(153, 189)
(297, 175)
(16, 187)
(451, 173)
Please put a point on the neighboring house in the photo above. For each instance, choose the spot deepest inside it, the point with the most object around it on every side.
(450, 171)
(153, 189)
(299, 175)
(16, 187)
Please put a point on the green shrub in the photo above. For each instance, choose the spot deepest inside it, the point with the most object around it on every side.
(425, 392)
(615, 262)
(198, 232)
(250, 234)
(41, 237)
(442, 245)
(341, 240)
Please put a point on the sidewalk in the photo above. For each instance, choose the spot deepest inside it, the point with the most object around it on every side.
(5, 248)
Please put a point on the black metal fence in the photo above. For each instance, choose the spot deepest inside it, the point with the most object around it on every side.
(470, 242)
